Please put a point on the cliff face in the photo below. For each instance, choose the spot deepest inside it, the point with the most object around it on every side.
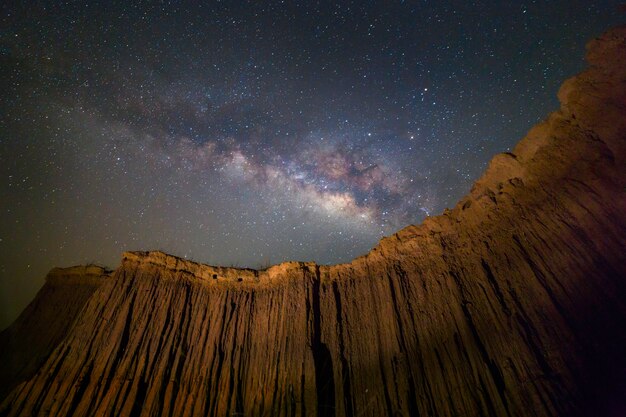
(511, 304)
(26, 344)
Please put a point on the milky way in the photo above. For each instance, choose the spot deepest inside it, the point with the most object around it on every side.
(246, 134)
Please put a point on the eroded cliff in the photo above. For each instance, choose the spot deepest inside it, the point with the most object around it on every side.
(510, 304)
(26, 344)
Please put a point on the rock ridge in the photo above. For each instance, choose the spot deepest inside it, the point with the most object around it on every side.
(79, 274)
(213, 274)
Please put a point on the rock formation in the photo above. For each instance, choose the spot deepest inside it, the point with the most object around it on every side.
(26, 344)
(511, 304)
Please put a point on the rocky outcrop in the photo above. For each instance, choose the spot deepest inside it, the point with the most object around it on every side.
(25, 345)
(510, 304)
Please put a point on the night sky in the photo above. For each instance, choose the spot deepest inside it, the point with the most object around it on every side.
(248, 133)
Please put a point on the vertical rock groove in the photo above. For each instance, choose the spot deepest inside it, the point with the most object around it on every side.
(345, 369)
(324, 375)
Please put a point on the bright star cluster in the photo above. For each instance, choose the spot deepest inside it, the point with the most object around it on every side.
(252, 132)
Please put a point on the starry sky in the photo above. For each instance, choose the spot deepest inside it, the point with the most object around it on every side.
(249, 133)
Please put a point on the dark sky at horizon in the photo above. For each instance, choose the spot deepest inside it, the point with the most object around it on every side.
(249, 133)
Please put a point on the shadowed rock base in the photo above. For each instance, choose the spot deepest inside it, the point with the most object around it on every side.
(511, 304)
(25, 345)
